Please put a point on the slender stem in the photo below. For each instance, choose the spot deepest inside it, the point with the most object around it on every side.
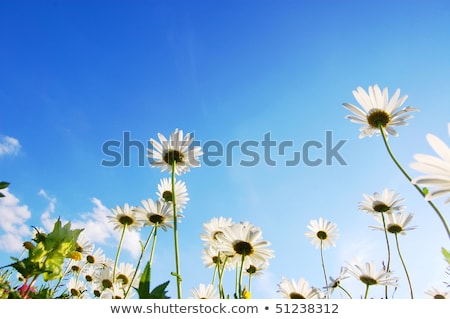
(213, 281)
(221, 271)
(152, 251)
(241, 271)
(386, 143)
(118, 252)
(143, 249)
(323, 267)
(367, 291)
(66, 271)
(348, 294)
(404, 267)
(388, 265)
(175, 233)
(250, 276)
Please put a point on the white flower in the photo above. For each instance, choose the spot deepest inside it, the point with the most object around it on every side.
(125, 273)
(178, 151)
(322, 233)
(125, 217)
(205, 292)
(165, 193)
(214, 230)
(76, 288)
(369, 276)
(291, 289)
(437, 293)
(245, 241)
(386, 202)
(377, 110)
(395, 223)
(159, 213)
(436, 168)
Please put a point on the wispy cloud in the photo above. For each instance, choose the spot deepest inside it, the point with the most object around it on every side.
(13, 223)
(9, 146)
(46, 219)
(95, 224)
(98, 229)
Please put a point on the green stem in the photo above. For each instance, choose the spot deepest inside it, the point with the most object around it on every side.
(66, 271)
(143, 249)
(152, 251)
(119, 248)
(323, 267)
(216, 269)
(388, 265)
(175, 233)
(221, 272)
(386, 143)
(404, 266)
(367, 291)
(348, 294)
(241, 271)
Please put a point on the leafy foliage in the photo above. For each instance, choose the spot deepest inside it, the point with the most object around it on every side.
(47, 256)
(159, 292)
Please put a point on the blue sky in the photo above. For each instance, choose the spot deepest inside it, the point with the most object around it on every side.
(76, 74)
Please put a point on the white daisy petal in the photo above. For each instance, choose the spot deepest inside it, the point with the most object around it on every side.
(376, 109)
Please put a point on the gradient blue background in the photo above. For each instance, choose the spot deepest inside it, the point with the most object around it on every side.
(75, 74)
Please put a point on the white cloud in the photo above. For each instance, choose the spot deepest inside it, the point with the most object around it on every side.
(9, 145)
(13, 223)
(46, 219)
(98, 229)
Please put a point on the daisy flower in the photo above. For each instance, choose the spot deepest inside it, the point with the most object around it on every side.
(395, 223)
(377, 110)
(386, 202)
(214, 229)
(211, 257)
(291, 289)
(177, 149)
(165, 193)
(159, 213)
(437, 294)
(254, 270)
(125, 273)
(103, 279)
(245, 241)
(98, 258)
(76, 288)
(205, 292)
(336, 282)
(125, 217)
(116, 291)
(322, 233)
(84, 246)
(436, 168)
(369, 276)
(76, 266)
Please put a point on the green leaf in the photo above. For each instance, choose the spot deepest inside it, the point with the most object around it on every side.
(1, 195)
(3, 185)
(144, 284)
(160, 291)
(425, 191)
